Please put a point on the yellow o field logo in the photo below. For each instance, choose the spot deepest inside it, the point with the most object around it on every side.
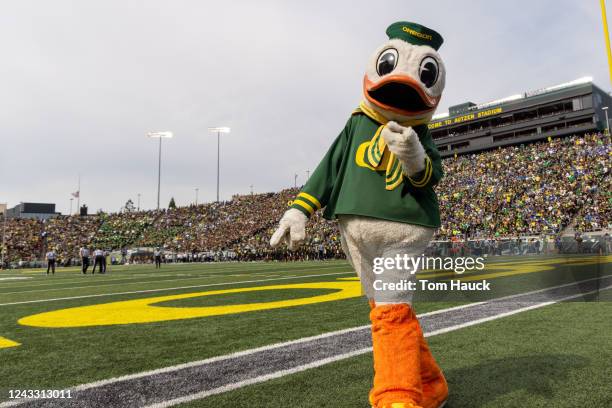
(6, 343)
(145, 311)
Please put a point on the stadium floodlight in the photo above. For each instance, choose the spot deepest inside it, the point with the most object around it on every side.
(605, 109)
(160, 136)
(440, 116)
(218, 131)
(500, 101)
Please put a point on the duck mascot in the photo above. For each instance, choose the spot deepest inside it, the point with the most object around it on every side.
(378, 180)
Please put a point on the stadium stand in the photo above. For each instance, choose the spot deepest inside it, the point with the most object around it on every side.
(66, 235)
(515, 191)
(596, 214)
(122, 229)
(23, 240)
(523, 190)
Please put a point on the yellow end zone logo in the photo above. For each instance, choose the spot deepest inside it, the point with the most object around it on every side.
(6, 343)
(146, 311)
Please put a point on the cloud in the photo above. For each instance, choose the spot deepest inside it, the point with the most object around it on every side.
(84, 81)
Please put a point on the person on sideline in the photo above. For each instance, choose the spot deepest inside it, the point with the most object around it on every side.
(51, 261)
(98, 260)
(106, 254)
(158, 258)
(84, 253)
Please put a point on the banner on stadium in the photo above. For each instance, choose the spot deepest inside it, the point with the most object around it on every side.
(465, 118)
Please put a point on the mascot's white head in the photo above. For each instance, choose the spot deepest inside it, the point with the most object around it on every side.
(405, 77)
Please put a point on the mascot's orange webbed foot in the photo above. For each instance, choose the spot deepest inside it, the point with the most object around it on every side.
(398, 357)
(435, 388)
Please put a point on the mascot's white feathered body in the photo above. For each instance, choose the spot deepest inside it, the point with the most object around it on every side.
(377, 179)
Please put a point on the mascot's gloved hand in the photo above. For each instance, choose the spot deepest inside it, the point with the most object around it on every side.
(291, 229)
(405, 143)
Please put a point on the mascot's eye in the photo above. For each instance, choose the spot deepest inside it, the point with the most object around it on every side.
(387, 61)
(428, 71)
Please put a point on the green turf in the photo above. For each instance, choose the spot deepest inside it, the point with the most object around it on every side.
(63, 357)
(559, 356)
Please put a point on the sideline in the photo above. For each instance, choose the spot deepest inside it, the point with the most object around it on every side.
(182, 383)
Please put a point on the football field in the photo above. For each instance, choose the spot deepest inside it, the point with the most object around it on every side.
(296, 335)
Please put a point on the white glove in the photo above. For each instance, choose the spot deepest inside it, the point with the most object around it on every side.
(405, 143)
(291, 229)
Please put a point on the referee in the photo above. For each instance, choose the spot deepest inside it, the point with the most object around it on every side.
(98, 260)
(51, 261)
(84, 252)
(158, 258)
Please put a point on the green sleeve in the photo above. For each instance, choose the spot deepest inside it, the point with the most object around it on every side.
(433, 172)
(317, 190)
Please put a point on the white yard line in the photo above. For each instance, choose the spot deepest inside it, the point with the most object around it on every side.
(256, 380)
(139, 282)
(37, 282)
(318, 363)
(218, 267)
(513, 312)
(174, 288)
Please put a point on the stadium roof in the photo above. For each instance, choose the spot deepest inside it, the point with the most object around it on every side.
(524, 95)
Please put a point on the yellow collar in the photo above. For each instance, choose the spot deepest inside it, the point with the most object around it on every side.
(377, 148)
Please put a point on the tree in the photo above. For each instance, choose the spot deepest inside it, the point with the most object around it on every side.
(129, 206)
(172, 204)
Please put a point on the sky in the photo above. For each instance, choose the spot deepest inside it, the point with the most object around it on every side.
(82, 82)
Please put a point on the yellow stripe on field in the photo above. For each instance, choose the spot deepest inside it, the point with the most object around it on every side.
(6, 343)
(147, 310)
(519, 267)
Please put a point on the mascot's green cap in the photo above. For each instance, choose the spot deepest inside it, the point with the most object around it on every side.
(414, 33)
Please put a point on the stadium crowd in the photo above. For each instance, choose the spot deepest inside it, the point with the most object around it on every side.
(526, 190)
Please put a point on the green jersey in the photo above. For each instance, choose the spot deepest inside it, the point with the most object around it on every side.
(346, 182)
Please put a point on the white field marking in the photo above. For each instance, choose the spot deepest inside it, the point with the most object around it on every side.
(12, 278)
(221, 269)
(112, 278)
(513, 312)
(95, 285)
(211, 267)
(127, 277)
(144, 282)
(65, 279)
(216, 284)
(205, 361)
(314, 364)
(318, 363)
(125, 273)
(82, 279)
(507, 297)
(43, 280)
(256, 380)
(230, 387)
(175, 288)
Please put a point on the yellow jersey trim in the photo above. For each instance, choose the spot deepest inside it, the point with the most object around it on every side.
(426, 177)
(304, 205)
(311, 198)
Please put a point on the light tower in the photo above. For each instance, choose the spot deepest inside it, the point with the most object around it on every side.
(218, 131)
(160, 136)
